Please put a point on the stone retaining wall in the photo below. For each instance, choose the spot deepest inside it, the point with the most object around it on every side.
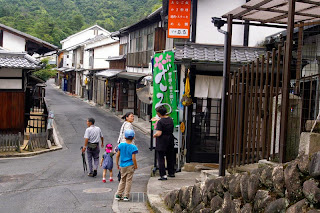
(288, 188)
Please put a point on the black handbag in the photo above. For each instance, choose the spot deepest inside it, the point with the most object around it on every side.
(119, 176)
(92, 146)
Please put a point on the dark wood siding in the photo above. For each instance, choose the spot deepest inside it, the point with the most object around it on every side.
(119, 64)
(139, 59)
(12, 112)
(159, 39)
(121, 49)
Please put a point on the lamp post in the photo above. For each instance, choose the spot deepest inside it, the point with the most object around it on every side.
(218, 22)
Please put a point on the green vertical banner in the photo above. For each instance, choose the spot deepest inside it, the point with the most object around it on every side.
(164, 85)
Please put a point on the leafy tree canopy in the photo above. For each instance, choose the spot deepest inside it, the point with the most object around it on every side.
(54, 20)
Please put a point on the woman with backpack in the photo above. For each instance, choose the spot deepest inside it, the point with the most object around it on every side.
(127, 125)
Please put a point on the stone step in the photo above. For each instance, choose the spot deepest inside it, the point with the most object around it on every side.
(198, 167)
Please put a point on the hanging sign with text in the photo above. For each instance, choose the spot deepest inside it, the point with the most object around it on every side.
(164, 85)
(179, 19)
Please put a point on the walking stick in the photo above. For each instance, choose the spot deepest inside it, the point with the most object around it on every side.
(84, 162)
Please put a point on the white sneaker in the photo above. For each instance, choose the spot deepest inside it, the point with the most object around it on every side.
(125, 199)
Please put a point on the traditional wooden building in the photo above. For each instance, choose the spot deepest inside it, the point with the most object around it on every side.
(15, 93)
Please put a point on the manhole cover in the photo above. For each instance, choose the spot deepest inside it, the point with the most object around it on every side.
(97, 190)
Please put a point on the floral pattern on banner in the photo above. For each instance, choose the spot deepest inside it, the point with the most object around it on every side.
(164, 85)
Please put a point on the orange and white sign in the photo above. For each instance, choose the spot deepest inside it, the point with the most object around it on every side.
(179, 19)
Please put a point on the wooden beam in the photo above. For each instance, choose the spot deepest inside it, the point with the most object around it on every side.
(252, 8)
(310, 2)
(286, 83)
(286, 12)
(303, 24)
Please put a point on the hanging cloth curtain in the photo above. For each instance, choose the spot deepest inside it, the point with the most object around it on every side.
(186, 98)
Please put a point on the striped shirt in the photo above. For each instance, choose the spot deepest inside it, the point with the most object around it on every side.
(93, 133)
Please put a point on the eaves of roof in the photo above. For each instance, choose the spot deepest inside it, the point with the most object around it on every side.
(151, 18)
(203, 53)
(27, 36)
(89, 28)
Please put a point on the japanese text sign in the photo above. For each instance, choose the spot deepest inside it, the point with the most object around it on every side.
(179, 19)
(164, 85)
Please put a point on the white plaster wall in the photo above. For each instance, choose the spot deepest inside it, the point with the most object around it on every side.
(74, 40)
(258, 34)
(78, 57)
(102, 53)
(6, 72)
(10, 83)
(86, 60)
(139, 70)
(13, 43)
(102, 42)
(207, 33)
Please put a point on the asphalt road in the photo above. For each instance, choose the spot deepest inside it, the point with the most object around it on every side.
(55, 181)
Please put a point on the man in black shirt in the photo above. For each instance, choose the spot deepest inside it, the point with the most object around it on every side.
(165, 143)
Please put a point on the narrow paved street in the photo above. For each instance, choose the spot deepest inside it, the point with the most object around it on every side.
(55, 182)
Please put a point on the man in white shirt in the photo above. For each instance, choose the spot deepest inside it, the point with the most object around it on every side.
(92, 137)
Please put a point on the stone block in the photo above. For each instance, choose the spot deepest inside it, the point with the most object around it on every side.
(309, 124)
(234, 186)
(304, 164)
(292, 182)
(298, 207)
(278, 205)
(314, 168)
(216, 203)
(309, 143)
(195, 196)
(184, 196)
(177, 208)
(311, 191)
(228, 205)
(261, 200)
(253, 185)
(171, 198)
(278, 180)
(247, 208)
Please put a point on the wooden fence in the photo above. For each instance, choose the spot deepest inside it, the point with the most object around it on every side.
(37, 141)
(253, 118)
(10, 142)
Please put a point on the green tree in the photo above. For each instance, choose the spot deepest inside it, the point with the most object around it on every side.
(54, 20)
(46, 72)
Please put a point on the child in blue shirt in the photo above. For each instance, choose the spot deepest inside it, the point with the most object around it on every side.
(128, 164)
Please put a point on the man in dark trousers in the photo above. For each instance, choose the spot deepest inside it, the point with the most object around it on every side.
(165, 143)
(92, 138)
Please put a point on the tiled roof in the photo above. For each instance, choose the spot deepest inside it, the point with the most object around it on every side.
(18, 61)
(215, 53)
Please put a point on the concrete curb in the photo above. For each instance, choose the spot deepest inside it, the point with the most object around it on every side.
(155, 201)
(115, 206)
(57, 140)
(31, 153)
